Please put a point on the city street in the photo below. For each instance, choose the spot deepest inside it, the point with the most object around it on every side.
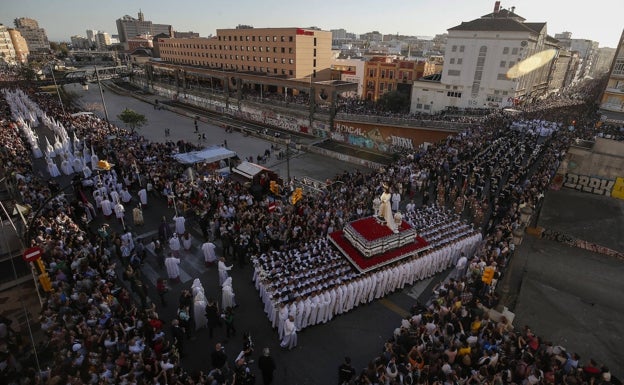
(321, 349)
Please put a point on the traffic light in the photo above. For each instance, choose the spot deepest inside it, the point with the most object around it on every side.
(274, 187)
(296, 195)
(488, 275)
(46, 284)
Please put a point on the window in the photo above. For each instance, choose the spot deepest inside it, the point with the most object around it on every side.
(260, 49)
(260, 38)
(389, 87)
(290, 50)
(454, 49)
(452, 94)
(382, 86)
(461, 48)
(371, 72)
(391, 74)
(514, 51)
(314, 54)
(460, 61)
(283, 61)
(275, 39)
(282, 38)
(383, 74)
(291, 61)
(314, 63)
(505, 50)
(503, 64)
(453, 72)
(290, 39)
(452, 61)
(290, 72)
(502, 77)
(315, 42)
(253, 38)
(511, 64)
(283, 49)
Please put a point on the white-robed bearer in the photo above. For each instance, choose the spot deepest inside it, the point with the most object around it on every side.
(187, 241)
(66, 167)
(210, 257)
(143, 196)
(125, 195)
(77, 164)
(94, 159)
(52, 167)
(179, 224)
(223, 270)
(227, 294)
(107, 207)
(120, 210)
(174, 244)
(289, 341)
(172, 264)
(137, 215)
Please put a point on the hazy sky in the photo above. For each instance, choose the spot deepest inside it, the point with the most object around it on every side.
(599, 20)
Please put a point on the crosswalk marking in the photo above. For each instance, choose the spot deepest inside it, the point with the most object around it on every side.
(418, 288)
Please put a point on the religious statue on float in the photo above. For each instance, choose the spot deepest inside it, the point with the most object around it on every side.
(384, 212)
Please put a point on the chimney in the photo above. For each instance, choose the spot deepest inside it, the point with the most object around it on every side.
(496, 6)
(513, 9)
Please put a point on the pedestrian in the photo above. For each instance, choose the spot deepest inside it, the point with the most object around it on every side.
(178, 336)
(223, 270)
(173, 270)
(290, 334)
(161, 287)
(184, 317)
(218, 358)
(208, 248)
(227, 291)
(346, 372)
(267, 366)
(228, 319)
(137, 215)
(213, 316)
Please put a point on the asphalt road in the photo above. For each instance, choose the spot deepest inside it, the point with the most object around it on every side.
(321, 349)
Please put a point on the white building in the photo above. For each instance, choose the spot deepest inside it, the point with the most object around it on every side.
(477, 62)
(351, 70)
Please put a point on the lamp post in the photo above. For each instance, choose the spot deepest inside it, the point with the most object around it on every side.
(56, 86)
(97, 76)
(288, 140)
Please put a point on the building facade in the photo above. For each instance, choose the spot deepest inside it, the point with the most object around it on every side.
(293, 53)
(102, 41)
(480, 64)
(7, 51)
(80, 42)
(129, 27)
(387, 74)
(612, 100)
(20, 45)
(35, 37)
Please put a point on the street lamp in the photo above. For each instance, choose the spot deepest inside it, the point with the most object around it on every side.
(97, 76)
(56, 86)
(288, 140)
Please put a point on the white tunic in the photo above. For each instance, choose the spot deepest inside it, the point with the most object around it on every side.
(179, 224)
(289, 341)
(107, 209)
(172, 264)
(208, 248)
(143, 196)
(227, 294)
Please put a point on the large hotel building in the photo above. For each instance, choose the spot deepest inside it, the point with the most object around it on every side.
(287, 53)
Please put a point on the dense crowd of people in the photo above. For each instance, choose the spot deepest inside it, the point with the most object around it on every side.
(97, 333)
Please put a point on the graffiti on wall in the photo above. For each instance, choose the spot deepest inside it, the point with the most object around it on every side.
(590, 184)
(378, 138)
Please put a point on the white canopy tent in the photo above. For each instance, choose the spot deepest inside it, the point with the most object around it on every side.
(248, 170)
(207, 155)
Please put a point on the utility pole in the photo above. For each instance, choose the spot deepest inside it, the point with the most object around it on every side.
(97, 76)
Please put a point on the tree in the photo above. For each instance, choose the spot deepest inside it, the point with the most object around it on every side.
(394, 101)
(132, 119)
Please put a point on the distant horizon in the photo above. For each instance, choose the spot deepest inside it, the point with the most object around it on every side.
(418, 18)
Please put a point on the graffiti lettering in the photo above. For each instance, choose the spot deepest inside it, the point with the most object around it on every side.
(589, 184)
(402, 142)
(349, 129)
